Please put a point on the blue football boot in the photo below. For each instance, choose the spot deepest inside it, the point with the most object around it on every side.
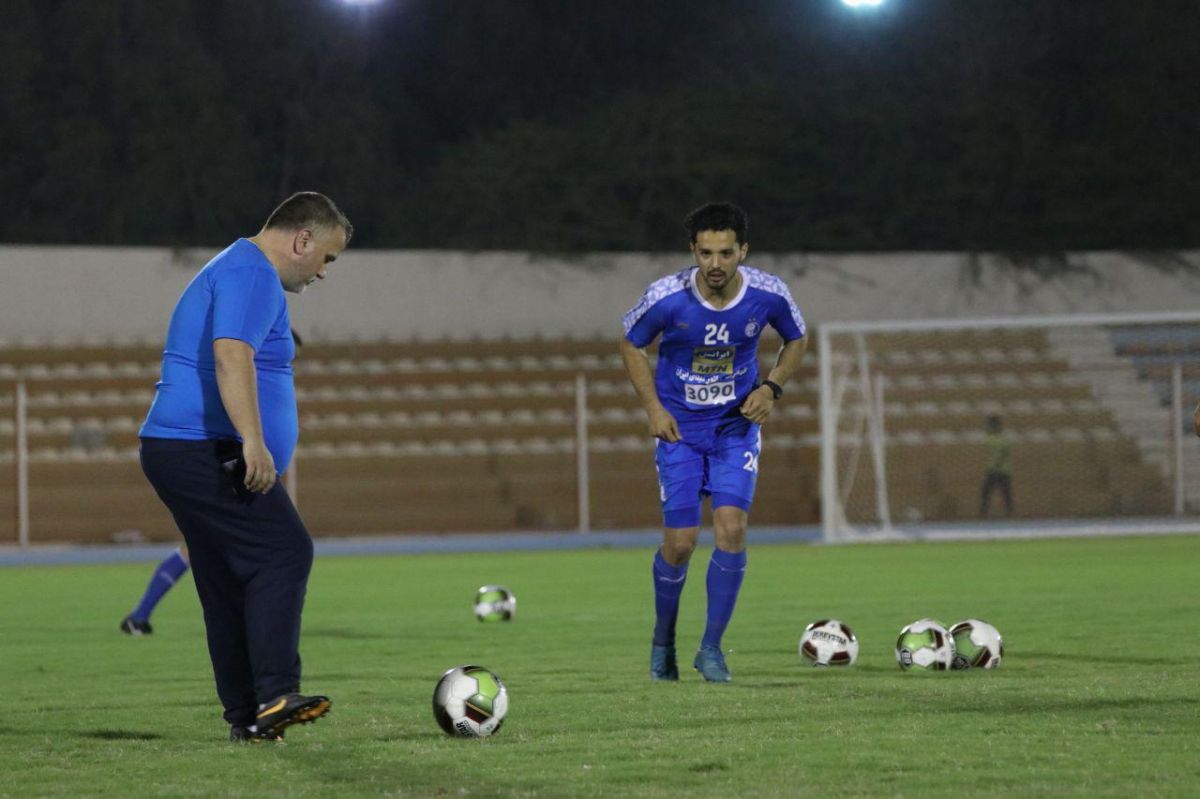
(710, 662)
(663, 667)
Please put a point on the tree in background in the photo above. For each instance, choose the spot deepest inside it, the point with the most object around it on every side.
(1011, 125)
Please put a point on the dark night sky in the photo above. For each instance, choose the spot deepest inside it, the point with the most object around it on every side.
(1018, 125)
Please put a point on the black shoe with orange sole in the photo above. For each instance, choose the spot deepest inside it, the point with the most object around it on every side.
(243, 734)
(282, 712)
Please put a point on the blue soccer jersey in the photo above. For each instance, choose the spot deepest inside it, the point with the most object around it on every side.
(236, 295)
(708, 357)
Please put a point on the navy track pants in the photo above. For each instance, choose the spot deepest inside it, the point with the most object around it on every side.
(251, 556)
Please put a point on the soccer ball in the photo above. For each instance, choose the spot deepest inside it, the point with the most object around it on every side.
(470, 701)
(925, 644)
(977, 645)
(495, 603)
(828, 642)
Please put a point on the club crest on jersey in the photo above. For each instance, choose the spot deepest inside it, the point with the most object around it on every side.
(752, 328)
(713, 360)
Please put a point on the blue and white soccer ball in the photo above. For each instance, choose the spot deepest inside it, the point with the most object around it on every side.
(977, 645)
(828, 642)
(925, 644)
(495, 603)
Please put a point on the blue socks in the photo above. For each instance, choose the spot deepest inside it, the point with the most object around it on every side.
(668, 585)
(725, 573)
(170, 570)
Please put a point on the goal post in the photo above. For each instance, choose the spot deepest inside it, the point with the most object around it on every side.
(1023, 424)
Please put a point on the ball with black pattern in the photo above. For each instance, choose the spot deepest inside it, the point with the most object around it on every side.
(828, 642)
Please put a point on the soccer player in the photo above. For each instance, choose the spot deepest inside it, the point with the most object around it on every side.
(163, 580)
(222, 423)
(705, 403)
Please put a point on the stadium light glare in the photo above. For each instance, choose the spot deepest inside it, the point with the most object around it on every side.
(862, 3)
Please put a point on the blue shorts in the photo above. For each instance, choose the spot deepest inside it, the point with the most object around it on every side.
(721, 462)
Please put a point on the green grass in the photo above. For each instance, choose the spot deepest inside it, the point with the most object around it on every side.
(1098, 694)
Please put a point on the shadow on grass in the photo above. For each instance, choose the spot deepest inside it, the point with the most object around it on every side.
(121, 735)
(757, 684)
(175, 680)
(411, 736)
(707, 767)
(21, 732)
(1040, 706)
(346, 635)
(1116, 660)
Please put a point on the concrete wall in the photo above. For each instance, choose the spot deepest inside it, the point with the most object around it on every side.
(71, 293)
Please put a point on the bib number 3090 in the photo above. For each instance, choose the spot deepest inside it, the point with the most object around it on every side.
(712, 394)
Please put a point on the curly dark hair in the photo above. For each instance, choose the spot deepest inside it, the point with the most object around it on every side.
(718, 216)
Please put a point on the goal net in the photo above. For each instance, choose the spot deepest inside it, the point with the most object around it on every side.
(1009, 426)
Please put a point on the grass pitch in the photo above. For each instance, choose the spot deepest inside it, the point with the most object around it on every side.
(1098, 693)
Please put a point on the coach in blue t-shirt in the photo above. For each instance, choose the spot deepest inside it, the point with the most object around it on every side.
(222, 426)
(705, 403)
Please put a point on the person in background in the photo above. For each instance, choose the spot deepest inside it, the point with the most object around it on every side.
(166, 574)
(998, 473)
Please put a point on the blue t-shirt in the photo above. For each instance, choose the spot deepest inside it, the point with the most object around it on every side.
(708, 357)
(236, 295)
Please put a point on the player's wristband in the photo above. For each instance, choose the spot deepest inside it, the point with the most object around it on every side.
(776, 389)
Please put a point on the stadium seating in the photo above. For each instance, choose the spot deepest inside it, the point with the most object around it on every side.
(442, 436)
(396, 436)
(1154, 349)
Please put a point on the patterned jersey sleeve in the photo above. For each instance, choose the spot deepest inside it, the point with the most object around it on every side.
(644, 321)
(785, 315)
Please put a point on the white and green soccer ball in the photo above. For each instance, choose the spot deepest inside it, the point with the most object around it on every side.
(495, 603)
(925, 644)
(977, 645)
(828, 642)
(470, 702)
